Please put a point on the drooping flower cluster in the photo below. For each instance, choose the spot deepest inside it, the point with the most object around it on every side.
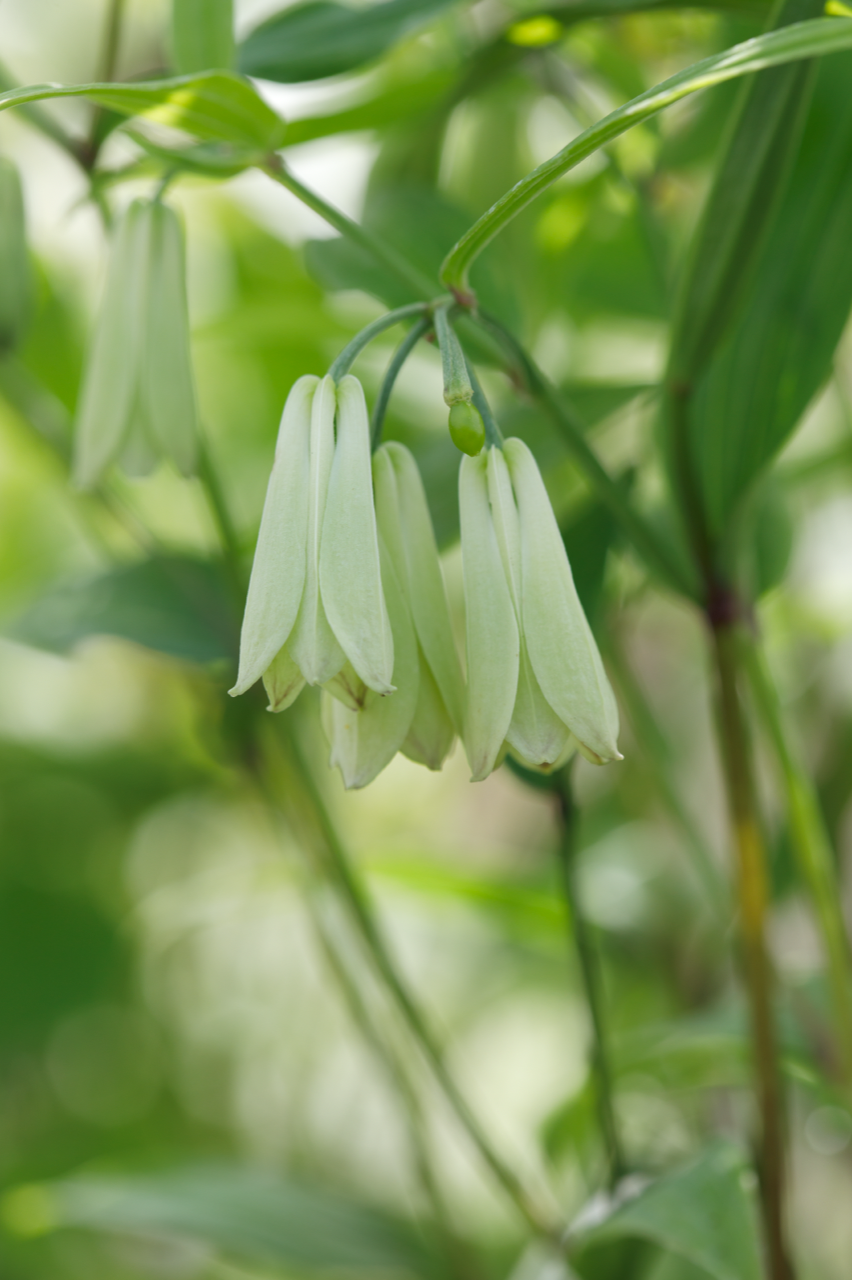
(316, 610)
(536, 682)
(347, 593)
(137, 403)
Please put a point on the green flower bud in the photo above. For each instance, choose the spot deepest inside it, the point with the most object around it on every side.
(467, 430)
(202, 35)
(16, 283)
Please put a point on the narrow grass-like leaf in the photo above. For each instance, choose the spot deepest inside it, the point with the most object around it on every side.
(216, 106)
(763, 139)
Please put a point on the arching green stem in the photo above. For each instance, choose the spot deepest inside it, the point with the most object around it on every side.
(788, 44)
(352, 350)
(400, 356)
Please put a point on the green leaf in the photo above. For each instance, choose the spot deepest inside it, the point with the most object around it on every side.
(702, 1212)
(323, 38)
(249, 1215)
(175, 605)
(202, 34)
(778, 352)
(217, 106)
(762, 144)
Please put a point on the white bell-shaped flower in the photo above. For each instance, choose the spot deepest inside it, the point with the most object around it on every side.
(422, 718)
(535, 680)
(315, 606)
(137, 402)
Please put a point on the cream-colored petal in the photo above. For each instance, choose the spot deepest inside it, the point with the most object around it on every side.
(312, 644)
(536, 733)
(283, 682)
(278, 573)
(492, 631)
(364, 742)
(110, 381)
(348, 687)
(432, 731)
(167, 385)
(561, 646)
(507, 530)
(350, 573)
(427, 594)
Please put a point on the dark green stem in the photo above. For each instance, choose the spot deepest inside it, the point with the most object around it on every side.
(752, 890)
(342, 874)
(353, 349)
(592, 984)
(413, 279)
(403, 351)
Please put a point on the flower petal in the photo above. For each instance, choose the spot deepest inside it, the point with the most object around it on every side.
(283, 681)
(350, 573)
(432, 731)
(110, 382)
(278, 573)
(364, 742)
(536, 732)
(348, 687)
(313, 645)
(492, 630)
(167, 385)
(561, 646)
(427, 596)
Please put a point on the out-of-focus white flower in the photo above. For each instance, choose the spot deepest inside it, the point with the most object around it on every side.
(316, 610)
(535, 680)
(137, 403)
(422, 718)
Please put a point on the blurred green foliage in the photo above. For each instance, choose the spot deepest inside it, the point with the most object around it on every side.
(184, 1089)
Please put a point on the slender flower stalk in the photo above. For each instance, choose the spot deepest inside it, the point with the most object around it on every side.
(536, 682)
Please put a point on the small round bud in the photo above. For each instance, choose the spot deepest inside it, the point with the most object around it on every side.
(467, 429)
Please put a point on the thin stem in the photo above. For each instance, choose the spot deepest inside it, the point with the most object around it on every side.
(592, 985)
(217, 503)
(105, 73)
(353, 349)
(811, 845)
(752, 891)
(800, 40)
(643, 537)
(391, 1061)
(493, 434)
(343, 876)
(403, 351)
(413, 279)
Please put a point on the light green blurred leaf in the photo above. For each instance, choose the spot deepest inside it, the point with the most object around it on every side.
(323, 38)
(215, 106)
(702, 1212)
(175, 605)
(249, 1215)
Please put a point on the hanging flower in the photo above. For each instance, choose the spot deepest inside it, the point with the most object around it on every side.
(422, 718)
(316, 610)
(137, 403)
(536, 683)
